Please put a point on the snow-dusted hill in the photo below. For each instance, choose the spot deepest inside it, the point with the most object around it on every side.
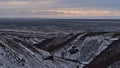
(79, 50)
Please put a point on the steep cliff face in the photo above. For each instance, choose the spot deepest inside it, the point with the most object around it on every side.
(81, 50)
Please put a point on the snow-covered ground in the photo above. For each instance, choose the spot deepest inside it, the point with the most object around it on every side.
(72, 50)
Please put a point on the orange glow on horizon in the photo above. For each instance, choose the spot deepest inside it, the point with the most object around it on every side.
(88, 12)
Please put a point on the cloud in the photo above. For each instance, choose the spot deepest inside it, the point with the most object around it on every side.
(88, 12)
(58, 13)
(59, 8)
(26, 4)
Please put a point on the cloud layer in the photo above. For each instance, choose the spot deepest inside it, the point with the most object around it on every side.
(60, 8)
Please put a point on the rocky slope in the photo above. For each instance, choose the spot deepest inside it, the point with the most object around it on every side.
(80, 50)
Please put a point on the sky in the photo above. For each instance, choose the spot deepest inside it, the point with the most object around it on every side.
(60, 9)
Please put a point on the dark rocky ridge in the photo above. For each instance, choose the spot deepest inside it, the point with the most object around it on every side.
(107, 56)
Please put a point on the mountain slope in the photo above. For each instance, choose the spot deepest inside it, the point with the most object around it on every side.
(81, 50)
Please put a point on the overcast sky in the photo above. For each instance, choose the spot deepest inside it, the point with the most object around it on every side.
(60, 8)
